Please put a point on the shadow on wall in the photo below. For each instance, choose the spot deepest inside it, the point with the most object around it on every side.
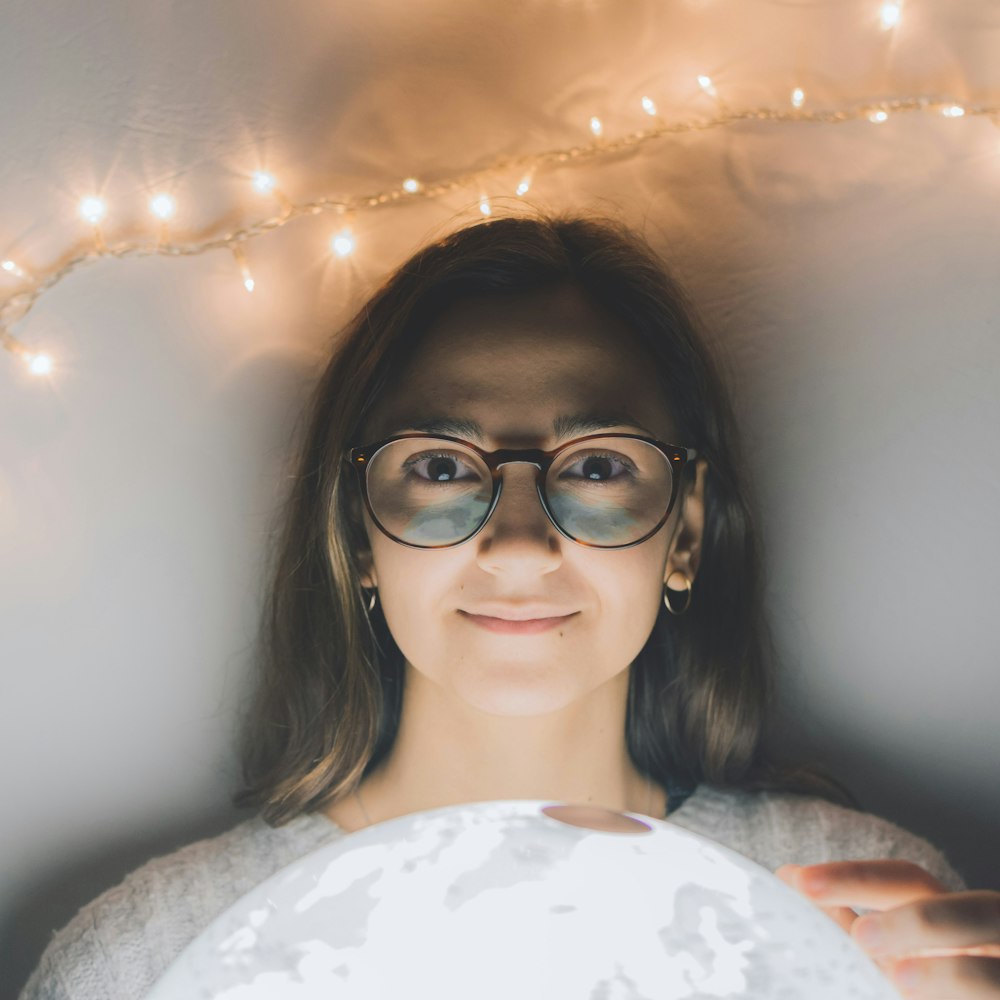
(30, 920)
(964, 827)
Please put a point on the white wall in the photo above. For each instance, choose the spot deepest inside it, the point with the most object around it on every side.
(848, 272)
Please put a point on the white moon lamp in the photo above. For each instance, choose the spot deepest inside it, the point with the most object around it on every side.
(523, 900)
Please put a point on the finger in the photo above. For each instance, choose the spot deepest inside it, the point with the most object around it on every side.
(788, 873)
(953, 920)
(962, 975)
(873, 885)
(843, 916)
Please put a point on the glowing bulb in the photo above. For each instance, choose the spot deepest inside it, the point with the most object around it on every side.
(595, 125)
(263, 182)
(890, 14)
(163, 206)
(798, 97)
(11, 268)
(241, 259)
(411, 184)
(93, 209)
(878, 117)
(525, 184)
(484, 205)
(648, 106)
(705, 82)
(342, 243)
(954, 111)
(39, 364)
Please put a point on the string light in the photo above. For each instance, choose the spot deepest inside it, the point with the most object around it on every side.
(595, 125)
(263, 182)
(15, 307)
(39, 364)
(93, 209)
(705, 82)
(890, 14)
(163, 206)
(411, 185)
(649, 106)
(798, 97)
(241, 260)
(342, 243)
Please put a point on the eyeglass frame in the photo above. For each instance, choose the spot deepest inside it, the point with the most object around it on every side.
(360, 457)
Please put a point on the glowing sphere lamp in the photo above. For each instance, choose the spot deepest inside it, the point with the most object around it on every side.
(523, 899)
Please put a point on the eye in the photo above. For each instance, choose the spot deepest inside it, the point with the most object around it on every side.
(441, 467)
(599, 467)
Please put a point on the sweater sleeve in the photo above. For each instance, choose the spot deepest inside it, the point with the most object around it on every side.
(778, 828)
(810, 830)
(118, 945)
(75, 964)
(850, 834)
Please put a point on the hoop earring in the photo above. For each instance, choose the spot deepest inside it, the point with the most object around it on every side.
(371, 603)
(666, 597)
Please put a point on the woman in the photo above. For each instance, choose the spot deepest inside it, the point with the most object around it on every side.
(518, 561)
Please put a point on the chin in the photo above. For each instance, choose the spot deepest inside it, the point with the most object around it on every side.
(517, 691)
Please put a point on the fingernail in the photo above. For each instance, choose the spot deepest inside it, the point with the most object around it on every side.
(868, 932)
(907, 975)
(815, 881)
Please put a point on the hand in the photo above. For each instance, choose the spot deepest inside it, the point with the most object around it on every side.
(930, 942)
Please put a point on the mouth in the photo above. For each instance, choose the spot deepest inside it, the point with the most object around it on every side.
(528, 626)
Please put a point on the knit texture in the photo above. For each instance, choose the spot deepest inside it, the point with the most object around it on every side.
(117, 946)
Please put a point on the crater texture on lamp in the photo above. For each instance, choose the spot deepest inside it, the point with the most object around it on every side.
(519, 900)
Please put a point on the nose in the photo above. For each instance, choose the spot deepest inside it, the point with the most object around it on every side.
(519, 527)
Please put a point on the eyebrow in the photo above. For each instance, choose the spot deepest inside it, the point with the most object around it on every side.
(565, 426)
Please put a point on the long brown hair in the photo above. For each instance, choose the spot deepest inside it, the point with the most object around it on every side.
(330, 677)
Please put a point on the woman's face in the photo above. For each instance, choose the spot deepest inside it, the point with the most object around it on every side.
(514, 365)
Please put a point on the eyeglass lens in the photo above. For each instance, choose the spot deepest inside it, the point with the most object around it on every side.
(606, 491)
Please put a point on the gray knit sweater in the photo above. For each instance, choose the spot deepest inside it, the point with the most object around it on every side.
(116, 947)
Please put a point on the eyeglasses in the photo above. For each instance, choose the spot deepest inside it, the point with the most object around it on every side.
(603, 490)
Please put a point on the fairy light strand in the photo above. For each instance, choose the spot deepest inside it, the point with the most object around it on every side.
(15, 308)
(240, 255)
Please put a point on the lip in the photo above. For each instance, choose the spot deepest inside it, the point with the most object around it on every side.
(520, 612)
(528, 626)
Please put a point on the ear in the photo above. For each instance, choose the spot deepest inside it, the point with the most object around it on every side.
(685, 549)
(367, 566)
(362, 552)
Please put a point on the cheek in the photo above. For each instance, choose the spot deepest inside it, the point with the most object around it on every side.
(629, 607)
(630, 579)
(630, 591)
(415, 591)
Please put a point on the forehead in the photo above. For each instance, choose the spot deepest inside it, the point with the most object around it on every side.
(515, 364)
